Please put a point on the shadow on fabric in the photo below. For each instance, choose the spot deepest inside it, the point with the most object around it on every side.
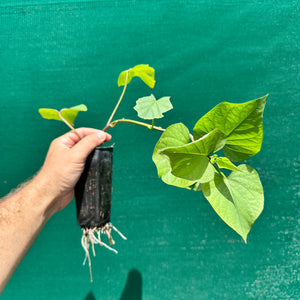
(90, 296)
(133, 287)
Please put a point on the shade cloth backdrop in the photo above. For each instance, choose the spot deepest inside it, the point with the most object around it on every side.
(62, 53)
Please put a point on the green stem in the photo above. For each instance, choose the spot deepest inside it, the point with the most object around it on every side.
(152, 123)
(219, 170)
(149, 126)
(67, 123)
(118, 103)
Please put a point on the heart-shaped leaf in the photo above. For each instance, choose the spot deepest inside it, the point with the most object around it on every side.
(210, 143)
(191, 167)
(149, 108)
(191, 161)
(242, 124)
(145, 72)
(238, 199)
(175, 135)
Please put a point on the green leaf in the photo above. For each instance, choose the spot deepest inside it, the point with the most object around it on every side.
(191, 161)
(80, 107)
(238, 199)
(210, 143)
(175, 135)
(69, 114)
(149, 108)
(191, 167)
(225, 163)
(49, 113)
(145, 72)
(197, 186)
(242, 124)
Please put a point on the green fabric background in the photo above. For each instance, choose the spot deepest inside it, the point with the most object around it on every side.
(62, 53)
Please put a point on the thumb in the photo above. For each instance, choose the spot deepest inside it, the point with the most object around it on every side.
(86, 145)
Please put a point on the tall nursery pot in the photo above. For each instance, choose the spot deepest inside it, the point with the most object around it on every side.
(93, 202)
(93, 190)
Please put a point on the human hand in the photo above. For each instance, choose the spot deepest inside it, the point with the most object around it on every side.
(64, 164)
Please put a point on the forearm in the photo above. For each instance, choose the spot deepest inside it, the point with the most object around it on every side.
(16, 190)
(22, 216)
(24, 212)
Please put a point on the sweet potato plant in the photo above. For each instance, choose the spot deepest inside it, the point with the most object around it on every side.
(221, 139)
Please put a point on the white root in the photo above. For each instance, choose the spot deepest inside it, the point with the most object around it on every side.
(89, 237)
(115, 229)
(85, 245)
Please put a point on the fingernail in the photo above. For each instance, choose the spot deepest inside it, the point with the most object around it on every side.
(101, 134)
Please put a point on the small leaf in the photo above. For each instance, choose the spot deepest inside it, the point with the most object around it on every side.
(69, 114)
(175, 135)
(242, 124)
(225, 163)
(149, 108)
(144, 72)
(49, 113)
(80, 107)
(238, 199)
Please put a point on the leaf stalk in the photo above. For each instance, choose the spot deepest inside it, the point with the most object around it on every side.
(219, 170)
(149, 126)
(118, 103)
(68, 124)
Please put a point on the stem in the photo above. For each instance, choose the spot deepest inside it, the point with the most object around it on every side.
(152, 124)
(118, 103)
(67, 123)
(219, 170)
(112, 124)
(149, 126)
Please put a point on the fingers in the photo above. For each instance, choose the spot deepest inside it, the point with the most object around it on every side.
(90, 140)
(71, 138)
(83, 131)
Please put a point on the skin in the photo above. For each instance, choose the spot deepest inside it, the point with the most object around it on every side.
(24, 213)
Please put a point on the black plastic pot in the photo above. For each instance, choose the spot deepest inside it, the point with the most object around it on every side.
(93, 190)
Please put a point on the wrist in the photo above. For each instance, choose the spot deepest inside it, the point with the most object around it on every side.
(41, 196)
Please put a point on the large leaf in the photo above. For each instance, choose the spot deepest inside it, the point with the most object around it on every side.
(197, 186)
(69, 114)
(238, 199)
(191, 161)
(149, 108)
(242, 124)
(192, 167)
(145, 72)
(206, 145)
(175, 135)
